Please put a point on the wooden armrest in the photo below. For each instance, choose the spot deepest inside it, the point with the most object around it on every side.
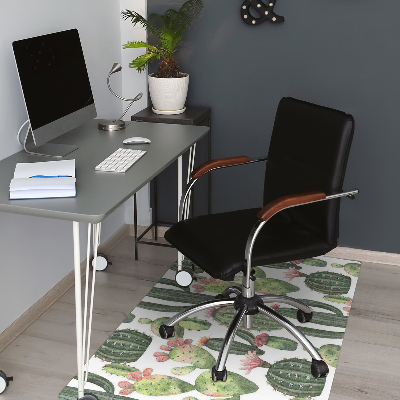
(288, 201)
(218, 162)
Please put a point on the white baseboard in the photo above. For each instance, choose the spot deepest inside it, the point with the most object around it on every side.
(34, 312)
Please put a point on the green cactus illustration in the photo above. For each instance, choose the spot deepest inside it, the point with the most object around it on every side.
(184, 351)
(315, 262)
(334, 318)
(274, 286)
(161, 307)
(100, 381)
(192, 324)
(235, 386)
(173, 282)
(128, 319)
(155, 326)
(236, 347)
(338, 299)
(119, 369)
(321, 333)
(124, 346)
(351, 268)
(276, 342)
(323, 282)
(71, 393)
(284, 265)
(261, 322)
(330, 353)
(289, 376)
(178, 296)
(150, 384)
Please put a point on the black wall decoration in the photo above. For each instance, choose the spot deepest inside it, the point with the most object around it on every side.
(266, 12)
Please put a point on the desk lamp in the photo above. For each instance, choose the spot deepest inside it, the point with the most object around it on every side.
(117, 124)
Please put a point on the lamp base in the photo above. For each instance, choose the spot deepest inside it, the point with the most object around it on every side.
(110, 125)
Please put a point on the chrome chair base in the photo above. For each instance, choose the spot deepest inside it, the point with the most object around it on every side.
(246, 309)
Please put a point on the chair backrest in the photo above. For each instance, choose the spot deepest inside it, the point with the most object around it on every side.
(309, 148)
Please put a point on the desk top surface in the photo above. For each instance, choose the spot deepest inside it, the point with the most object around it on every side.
(98, 194)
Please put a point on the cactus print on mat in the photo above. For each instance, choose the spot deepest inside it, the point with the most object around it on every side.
(264, 362)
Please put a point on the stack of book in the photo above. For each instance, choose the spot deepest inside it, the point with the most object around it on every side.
(43, 180)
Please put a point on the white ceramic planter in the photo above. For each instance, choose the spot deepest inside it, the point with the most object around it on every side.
(168, 95)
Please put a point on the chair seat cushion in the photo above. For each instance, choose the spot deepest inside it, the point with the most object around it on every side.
(217, 242)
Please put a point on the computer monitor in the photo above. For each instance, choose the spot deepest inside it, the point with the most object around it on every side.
(56, 88)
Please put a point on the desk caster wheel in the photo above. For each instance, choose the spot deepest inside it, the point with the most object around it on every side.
(304, 317)
(102, 262)
(89, 396)
(319, 369)
(184, 277)
(4, 381)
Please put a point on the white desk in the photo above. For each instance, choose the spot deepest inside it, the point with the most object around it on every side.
(98, 195)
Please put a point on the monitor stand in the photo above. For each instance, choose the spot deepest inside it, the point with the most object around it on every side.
(48, 149)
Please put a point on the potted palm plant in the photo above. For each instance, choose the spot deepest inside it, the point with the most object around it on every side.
(168, 86)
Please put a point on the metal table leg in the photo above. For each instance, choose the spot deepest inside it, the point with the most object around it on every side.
(84, 323)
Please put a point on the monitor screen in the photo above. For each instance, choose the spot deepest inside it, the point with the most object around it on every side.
(55, 83)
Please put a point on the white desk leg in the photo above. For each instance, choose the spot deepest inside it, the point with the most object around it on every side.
(84, 326)
(180, 255)
(78, 308)
(192, 153)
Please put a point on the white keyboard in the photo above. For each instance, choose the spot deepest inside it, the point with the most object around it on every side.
(121, 160)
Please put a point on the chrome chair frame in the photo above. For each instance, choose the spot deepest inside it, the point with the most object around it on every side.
(245, 296)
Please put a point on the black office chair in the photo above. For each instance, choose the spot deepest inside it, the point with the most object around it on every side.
(306, 164)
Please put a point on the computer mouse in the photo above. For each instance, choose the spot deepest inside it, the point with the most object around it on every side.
(136, 140)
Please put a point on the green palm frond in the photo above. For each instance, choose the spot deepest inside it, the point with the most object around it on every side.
(139, 44)
(168, 27)
(187, 13)
(136, 18)
(140, 63)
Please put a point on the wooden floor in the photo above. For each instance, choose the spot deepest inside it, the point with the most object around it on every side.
(42, 359)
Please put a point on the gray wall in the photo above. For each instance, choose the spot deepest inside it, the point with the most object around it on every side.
(341, 54)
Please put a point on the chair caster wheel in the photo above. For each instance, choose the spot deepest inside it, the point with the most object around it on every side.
(218, 375)
(319, 369)
(184, 277)
(304, 317)
(4, 381)
(89, 396)
(166, 331)
(101, 262)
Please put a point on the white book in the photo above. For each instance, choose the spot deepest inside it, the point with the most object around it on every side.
(43, 180)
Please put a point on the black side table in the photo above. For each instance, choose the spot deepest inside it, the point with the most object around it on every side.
(192, 116)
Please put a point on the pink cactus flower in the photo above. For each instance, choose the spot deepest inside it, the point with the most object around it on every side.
(188, 341)
(275, 306)
(213, 280)
(147, 371)
(197, 286)
(176, 342)
(204, 281)
(347, 309)
(349, 303)
(162, 358)
(203, 341)
(292, 273)
(125, 392)
(124, 384)
(137, 376)
(199, 290)
(297, 262)
(165, 348)
(159, 354)
(252, 361)
(261, 340)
